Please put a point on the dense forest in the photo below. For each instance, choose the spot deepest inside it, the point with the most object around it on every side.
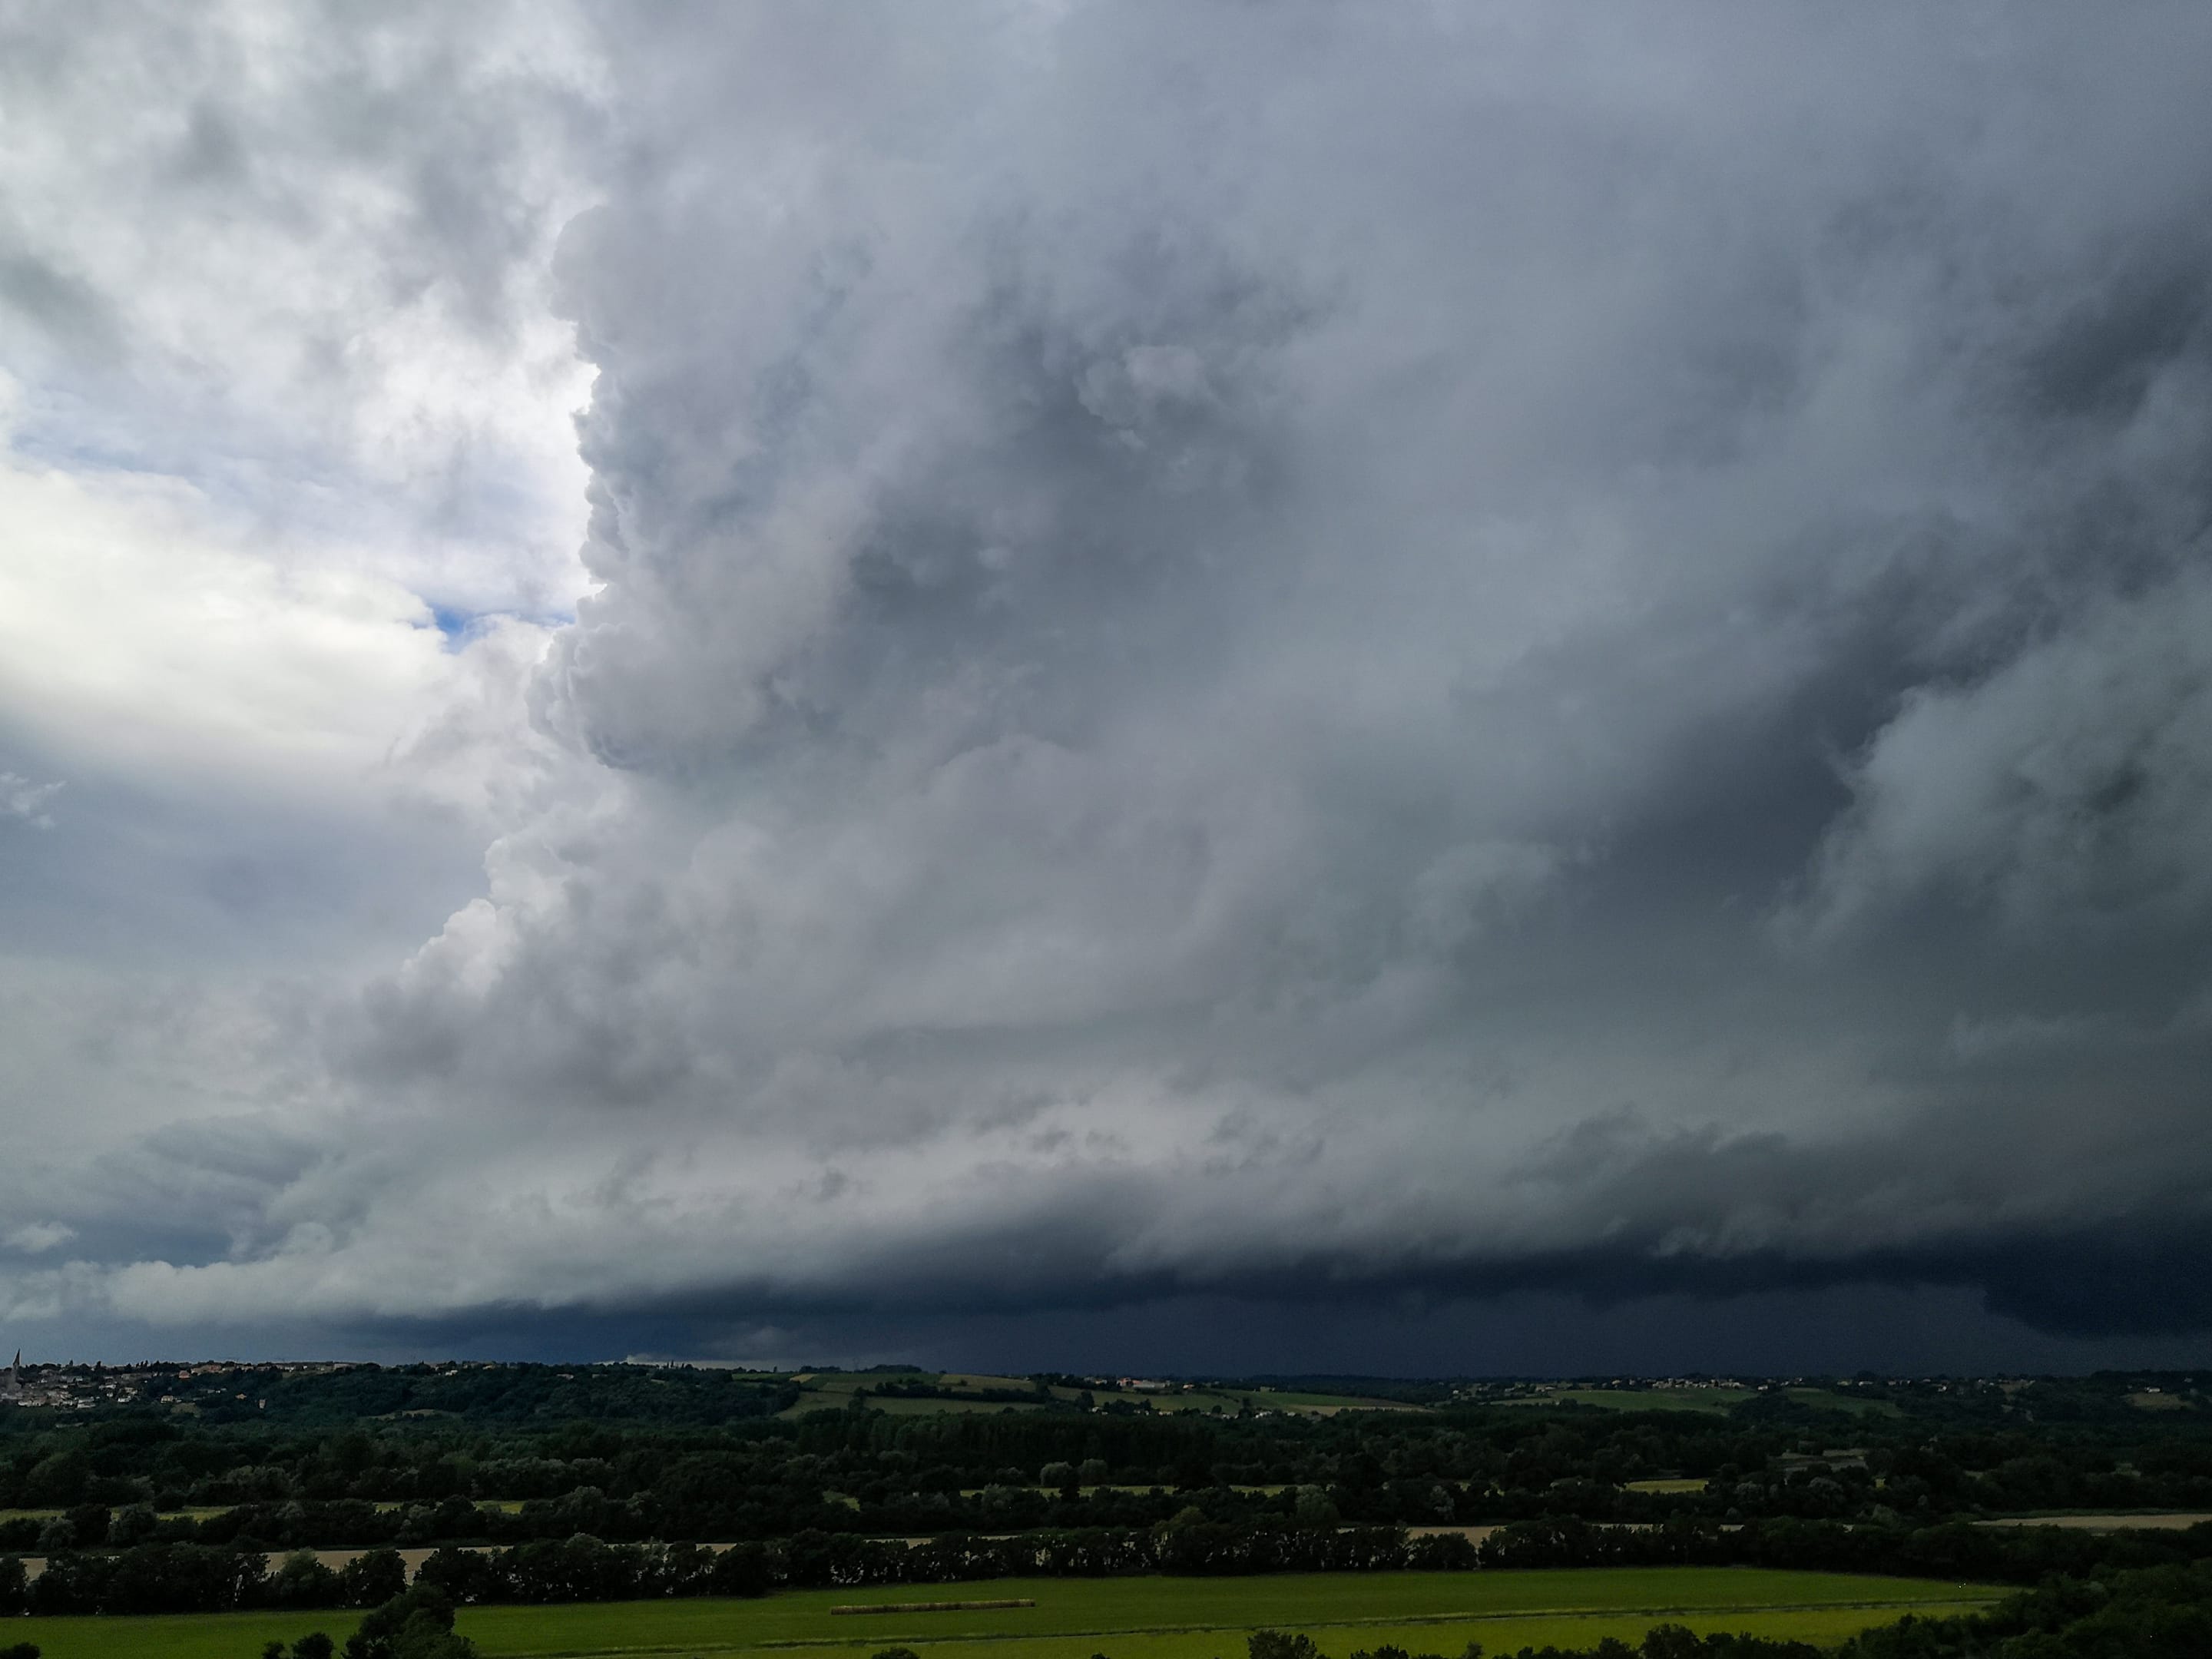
(179, 1502)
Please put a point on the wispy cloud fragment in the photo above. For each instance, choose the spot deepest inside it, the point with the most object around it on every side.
(36, 1238)
(25, 801)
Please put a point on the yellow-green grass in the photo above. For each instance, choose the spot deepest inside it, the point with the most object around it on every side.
(1198, 1399)
(1666, 1486)
(834, 1391)
(2152, 1401)
(1130, 1618)
(1715, 1401)
(1296, 1399)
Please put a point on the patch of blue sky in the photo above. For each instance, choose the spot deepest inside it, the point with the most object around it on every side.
(459, 624)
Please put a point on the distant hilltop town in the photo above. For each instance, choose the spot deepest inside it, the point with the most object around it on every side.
(85, 1387)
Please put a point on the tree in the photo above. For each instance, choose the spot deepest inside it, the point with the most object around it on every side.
(303, 1581)
(135, 1524)
(374, 1578)
(415, 1625)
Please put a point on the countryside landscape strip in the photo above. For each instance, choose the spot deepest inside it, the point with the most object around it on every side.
(928, 1607)
(921, 1638)
(1564, 1603)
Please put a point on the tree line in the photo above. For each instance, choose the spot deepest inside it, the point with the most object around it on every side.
(200, 1578)
(121, 1479)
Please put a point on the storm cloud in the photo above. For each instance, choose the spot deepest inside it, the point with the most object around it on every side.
(1520, 667)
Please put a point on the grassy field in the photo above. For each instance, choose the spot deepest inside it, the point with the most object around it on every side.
(1670, 1484)
(1128, 1617)
(1715, 1402)
(2154, 1400)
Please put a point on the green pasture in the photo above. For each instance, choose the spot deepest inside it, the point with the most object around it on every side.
(2154, 1400)
(1128, 1618)
(1713, 1400)
(1667, 1485)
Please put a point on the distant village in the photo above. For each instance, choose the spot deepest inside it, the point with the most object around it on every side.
(85, 1388)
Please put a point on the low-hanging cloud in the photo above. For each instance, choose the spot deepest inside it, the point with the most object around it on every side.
(1309, 651)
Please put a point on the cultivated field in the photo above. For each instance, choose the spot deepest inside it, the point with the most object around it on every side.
(1128, 1618)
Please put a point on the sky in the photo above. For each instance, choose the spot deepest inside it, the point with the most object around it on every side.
(1032, 683)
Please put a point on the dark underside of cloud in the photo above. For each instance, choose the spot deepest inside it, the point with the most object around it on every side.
(1362, 664)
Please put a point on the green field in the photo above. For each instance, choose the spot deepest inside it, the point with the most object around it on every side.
(1715, 1402)
(1128, 1617)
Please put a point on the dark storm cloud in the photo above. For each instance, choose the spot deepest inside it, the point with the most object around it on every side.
(1328, 651)
(1245, 657)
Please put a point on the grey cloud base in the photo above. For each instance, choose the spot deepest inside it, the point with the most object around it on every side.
(1327, 654)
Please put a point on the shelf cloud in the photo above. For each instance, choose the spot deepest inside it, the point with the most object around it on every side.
(1184, 662)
